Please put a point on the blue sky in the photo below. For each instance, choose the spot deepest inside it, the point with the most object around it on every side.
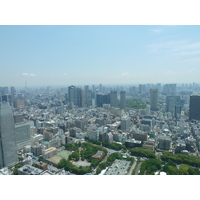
(79, 55)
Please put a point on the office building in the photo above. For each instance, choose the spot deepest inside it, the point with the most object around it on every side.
(71, 94)
(113, 98)
(194, 112)
(154, 99)
(8, 146)
(122, 99)
(141, 88)
(29, 170)
(102, 99)
(13, 94)
(93, 133)
(81, 123)
(125, 123)
(50, 152)
(164, 143)
(172, 102)
(140, 136)
(36, 149)
(169, 89)
(78, 97)
(23, 134)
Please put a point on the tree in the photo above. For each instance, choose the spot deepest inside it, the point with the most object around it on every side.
(193, 171)
(137, 151)
(183, 169)
(62, 163)
(98, 170)
(15, 172)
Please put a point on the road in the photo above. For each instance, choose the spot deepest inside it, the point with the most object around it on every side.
(132, 167)
(138, 168)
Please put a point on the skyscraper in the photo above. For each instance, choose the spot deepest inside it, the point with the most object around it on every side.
(13, 94)
(154, 99)
(141, 88)
(122, 99)
(172, 102)
(113, 98)
(78, 97)
(169, 89)
(194, 112)
(8, 147)
(71, 93)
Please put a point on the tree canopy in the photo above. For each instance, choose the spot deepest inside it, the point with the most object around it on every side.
(137, 151)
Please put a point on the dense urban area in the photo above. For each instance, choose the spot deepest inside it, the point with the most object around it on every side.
(144, 129)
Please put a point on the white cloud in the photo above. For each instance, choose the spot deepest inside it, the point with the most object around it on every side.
(157, 30)
(182, 50)
(187, 53)
(125, 74)
(27, 74)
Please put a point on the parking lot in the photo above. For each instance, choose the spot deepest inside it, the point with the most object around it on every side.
(119, 167)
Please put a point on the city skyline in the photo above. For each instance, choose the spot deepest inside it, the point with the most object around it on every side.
(86, 55)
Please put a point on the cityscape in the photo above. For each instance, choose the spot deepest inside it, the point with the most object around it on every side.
(100, 100)
(145, 129)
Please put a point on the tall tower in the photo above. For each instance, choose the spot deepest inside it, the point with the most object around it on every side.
(13, 94)
(78, 97)
(71, 93)
(122, 99)
(194, 107)
(169, 89)
(8, 146)
(154, 99)
(113, 98)
(172, 102)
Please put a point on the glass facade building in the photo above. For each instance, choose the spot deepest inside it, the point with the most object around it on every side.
(8, 147)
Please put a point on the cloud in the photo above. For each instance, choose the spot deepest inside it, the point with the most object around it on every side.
(64, 74)
(182, 50)
(156, 30)
(125, 74)
(187, 53)
(27, 74)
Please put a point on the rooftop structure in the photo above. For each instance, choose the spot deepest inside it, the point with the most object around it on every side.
(29, 170)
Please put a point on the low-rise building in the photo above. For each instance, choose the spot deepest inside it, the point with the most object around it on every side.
(29, 170)
(50, 152)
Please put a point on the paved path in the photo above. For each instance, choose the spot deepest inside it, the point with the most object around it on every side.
(132, 167)
(138, 168)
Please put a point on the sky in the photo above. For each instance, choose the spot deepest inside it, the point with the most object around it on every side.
(82, 54)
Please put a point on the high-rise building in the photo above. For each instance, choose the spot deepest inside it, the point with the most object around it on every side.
(86, 88)
(122, 99)
(66, 98)
(78, 97)
(13, 94)
(71, 94)
(169, 89)
(8, 146)
(99, 100)
(154, 99)
(164, 142)
(22, 132)
(102, 99)
(194, 112)
(172, 102)
(141, 88)
(113, 98)
(125, 123)
(5, 90)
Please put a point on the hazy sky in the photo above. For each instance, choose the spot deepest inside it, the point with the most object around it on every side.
(79, 55)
